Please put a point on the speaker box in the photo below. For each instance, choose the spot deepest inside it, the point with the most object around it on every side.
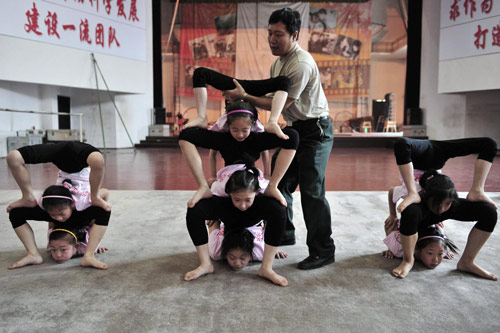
(379, 109)
(160, 116)
(413, 116)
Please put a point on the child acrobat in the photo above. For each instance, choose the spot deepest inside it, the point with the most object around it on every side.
(391, 226)
(432, 245)
(280, 85)
(78, 161)
(440, 202)
(64, 244)
(243, 208)
(236, 145)
(432, 154)
(58, 208)
(239, 246)
(221, 125)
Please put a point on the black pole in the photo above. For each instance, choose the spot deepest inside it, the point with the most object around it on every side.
(157, 65)
(412, 113)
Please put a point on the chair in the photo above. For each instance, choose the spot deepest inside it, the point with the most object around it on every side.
(366, 126)
(390, 126)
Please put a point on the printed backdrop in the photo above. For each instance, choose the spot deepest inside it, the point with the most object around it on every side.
(337, 35)
(208, 40)
(340, 41)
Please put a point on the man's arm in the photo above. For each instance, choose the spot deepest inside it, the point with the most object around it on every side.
(263, 102)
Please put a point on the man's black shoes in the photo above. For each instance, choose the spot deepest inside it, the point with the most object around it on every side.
(313, 262)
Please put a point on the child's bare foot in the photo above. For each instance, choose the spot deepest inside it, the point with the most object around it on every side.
(273, 277)
(275, 193)
(199, 271)
(410, 199)
(202, 193)
(402, 270)
(480, 196)
(101, 249)
(31, 202)
(388, 254)
(91, 261)
(30, 259)
(272, 127)
(99, 202)
(198, 122)
(475, 269)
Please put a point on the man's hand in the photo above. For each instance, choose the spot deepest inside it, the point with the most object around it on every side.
(235, 94)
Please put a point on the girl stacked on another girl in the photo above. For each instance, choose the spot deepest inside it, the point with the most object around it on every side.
(431, 247)
(236, 145)
(80, 177)
(58, 208)
(82, 163)
(244, 207)
(64, 244)
(415, 156)
(203, 76)
(240, 246)
(438, 201)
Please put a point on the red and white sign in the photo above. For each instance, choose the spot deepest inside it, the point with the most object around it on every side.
(112, 27)
(469, 28)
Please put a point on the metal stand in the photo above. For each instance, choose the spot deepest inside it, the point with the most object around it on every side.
(96, 68)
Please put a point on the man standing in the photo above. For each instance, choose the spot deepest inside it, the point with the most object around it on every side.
(306, 110)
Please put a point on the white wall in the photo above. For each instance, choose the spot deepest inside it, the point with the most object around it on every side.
(483, 114)
(134, 77)
(450, 116)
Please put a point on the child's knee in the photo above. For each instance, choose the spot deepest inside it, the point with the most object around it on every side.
(95, 160)
(14, 158)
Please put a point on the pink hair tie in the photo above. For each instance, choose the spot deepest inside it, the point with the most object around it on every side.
(239, 111)
(426, 237)
(57, 197)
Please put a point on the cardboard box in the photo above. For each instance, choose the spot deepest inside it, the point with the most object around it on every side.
(159, 130)
(415, 130)
(31, 132)
(64, 135)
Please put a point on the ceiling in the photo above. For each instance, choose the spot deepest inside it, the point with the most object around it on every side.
(389, 28)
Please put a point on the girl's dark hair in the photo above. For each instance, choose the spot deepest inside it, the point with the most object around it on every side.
(58, 190)
(61, 234)
(432, 234)
(437, 188)
(243, 180)
(289, 17)
(237, 239)
(241, 105)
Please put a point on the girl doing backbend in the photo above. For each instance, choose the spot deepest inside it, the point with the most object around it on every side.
(413, 154)
(439, 202)
(236, 145)
(243, 208)
(203, 76)
(57, 208)
(78, 161)
(425, 155)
